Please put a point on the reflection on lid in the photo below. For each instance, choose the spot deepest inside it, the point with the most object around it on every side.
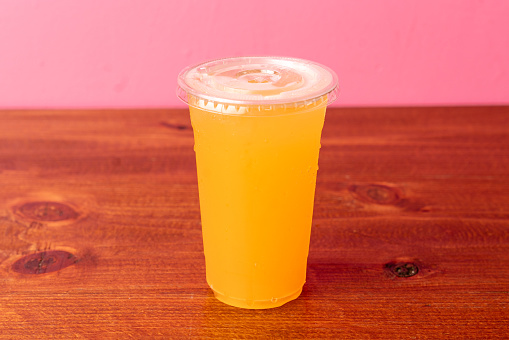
(258, 80)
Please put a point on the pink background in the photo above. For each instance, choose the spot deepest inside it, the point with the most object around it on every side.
(127, 53)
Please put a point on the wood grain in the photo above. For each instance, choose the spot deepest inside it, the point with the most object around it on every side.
(100, 232)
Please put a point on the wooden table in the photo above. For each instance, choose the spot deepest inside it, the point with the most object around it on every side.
(100, 229)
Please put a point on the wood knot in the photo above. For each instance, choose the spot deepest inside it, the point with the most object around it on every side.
(175, 126)
(44, 262)
(46, 211)
(402, 269)
(376, 193)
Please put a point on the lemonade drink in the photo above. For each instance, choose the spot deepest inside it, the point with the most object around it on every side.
(257, 163)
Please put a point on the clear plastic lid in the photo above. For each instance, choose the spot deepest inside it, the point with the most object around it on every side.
(248, 84)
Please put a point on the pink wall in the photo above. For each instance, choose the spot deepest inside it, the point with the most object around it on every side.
(127, 53)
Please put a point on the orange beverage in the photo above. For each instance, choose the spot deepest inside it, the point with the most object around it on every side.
(257, 162)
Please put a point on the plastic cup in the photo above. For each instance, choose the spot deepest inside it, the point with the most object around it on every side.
(257, 123)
